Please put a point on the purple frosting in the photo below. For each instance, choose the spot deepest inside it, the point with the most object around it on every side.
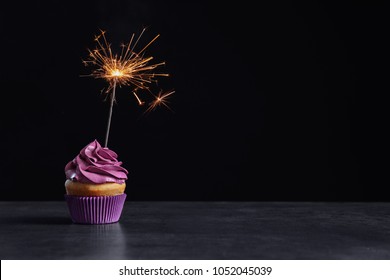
(96, 165)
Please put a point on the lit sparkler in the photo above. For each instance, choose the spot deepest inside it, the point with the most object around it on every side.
(129, 68)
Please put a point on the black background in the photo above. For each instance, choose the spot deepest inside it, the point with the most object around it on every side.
(276, 101)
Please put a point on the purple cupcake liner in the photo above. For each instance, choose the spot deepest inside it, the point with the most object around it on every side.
(95, 209)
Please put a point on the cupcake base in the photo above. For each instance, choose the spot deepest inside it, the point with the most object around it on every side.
(95, 209)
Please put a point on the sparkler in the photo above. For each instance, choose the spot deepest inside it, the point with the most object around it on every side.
(129, 68)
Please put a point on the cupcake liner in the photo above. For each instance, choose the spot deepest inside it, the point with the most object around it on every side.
(95, 209)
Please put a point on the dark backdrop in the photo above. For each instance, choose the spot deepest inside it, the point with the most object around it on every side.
(274, 101)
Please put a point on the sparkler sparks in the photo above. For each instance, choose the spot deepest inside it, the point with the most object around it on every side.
(161, 99)
(129, 68)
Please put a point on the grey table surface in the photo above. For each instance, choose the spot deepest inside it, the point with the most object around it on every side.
(200, 230)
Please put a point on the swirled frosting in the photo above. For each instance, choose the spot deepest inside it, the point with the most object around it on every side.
(96, 165)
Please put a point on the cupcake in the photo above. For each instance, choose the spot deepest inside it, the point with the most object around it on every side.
(95, 186)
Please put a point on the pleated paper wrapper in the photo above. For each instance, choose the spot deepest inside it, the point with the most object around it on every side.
(95, 209)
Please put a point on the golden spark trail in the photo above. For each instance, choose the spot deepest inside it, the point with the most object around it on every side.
(130, 68)
(161, 99)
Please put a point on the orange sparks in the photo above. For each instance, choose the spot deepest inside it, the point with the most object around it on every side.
(161, 99)
(140, 102)
(129, 68)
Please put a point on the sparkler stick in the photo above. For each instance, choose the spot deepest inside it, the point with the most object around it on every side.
(110, 114)
(131, 68)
